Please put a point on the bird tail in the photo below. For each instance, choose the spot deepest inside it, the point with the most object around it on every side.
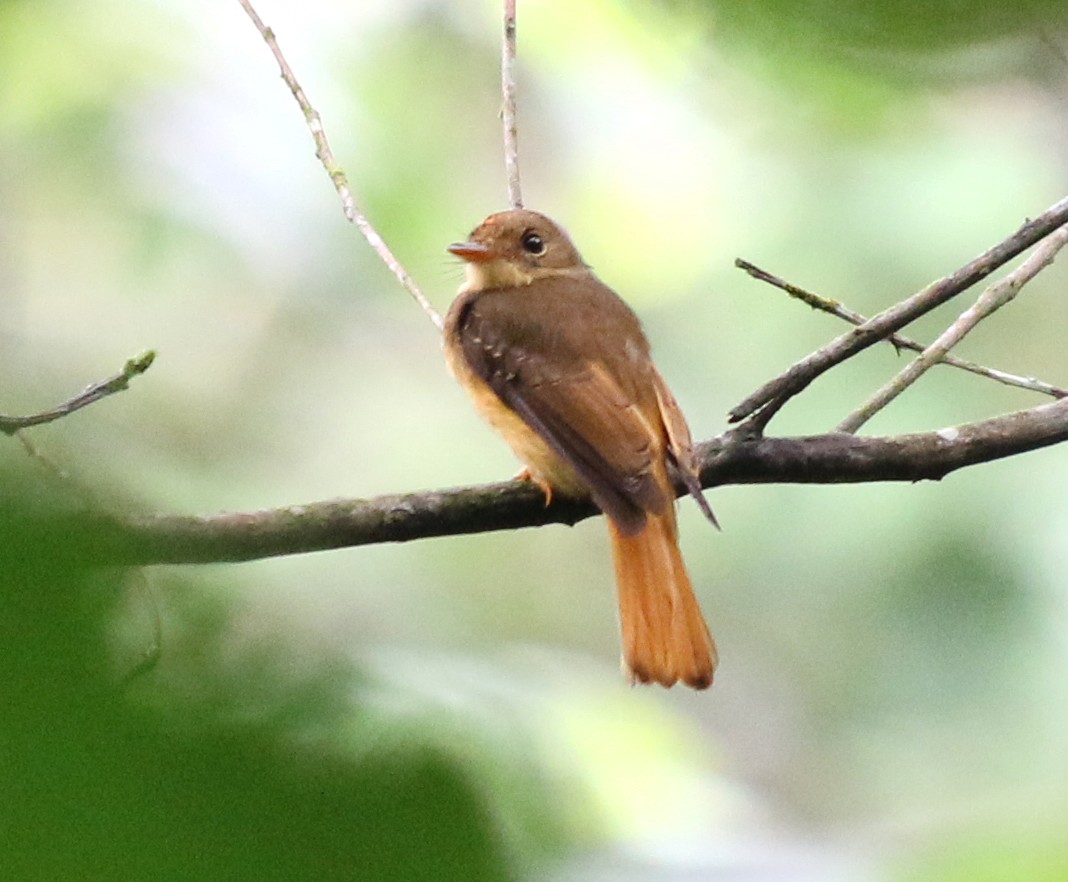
(665, 638)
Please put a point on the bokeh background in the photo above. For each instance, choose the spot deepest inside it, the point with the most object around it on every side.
(892, 702)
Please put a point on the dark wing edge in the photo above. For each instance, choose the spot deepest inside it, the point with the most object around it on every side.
(681, 445)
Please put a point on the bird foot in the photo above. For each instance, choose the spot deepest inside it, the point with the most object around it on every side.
(525, 474)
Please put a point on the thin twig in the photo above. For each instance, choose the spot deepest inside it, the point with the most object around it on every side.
(508, 106)
(9, 425)
(899, 341)
(336, 173)
(879, 327)
(993, 298)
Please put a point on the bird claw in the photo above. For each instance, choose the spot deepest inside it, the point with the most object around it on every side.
(525, 474)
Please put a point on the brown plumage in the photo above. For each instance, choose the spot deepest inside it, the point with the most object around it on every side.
(559, 365)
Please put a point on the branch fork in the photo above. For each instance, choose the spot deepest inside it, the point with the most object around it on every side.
(742, 455)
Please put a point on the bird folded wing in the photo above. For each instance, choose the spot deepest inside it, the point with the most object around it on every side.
(582, 413)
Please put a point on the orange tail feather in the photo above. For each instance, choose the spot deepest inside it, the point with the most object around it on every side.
(665, 638)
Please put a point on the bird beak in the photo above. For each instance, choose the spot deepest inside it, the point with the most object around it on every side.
(473, 252)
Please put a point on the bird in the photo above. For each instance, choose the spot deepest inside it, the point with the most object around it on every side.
(559, 365)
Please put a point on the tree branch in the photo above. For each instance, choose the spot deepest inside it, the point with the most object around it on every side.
(732, 459)
(992, 299)
(134, 367)
(898, 341)
(776, 392)
(508, 106)
(337, 174)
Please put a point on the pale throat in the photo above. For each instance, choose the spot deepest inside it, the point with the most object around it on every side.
(502, 273)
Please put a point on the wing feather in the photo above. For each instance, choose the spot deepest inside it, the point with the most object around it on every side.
(681, 445)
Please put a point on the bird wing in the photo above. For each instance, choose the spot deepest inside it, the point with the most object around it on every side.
(574, 399)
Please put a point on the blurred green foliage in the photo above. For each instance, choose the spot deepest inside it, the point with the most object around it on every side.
(1027, 856)
(878, 49)
(844, 29)
(98, 785)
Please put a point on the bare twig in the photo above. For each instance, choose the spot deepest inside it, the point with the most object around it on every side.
(899, 341)
(9, 425)
(740, 456)
(336, 173)
(993, 298)
(879, 327)
(508, 106)
(819, 459)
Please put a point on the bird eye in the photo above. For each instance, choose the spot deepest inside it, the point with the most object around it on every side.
(533, 243)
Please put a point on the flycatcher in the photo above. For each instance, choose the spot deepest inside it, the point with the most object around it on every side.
(558, 364)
